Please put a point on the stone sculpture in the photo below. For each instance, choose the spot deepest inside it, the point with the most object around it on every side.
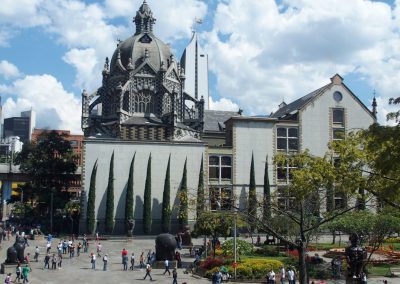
(15, 253)
(355, 256)
(165, 247)
(130, 225)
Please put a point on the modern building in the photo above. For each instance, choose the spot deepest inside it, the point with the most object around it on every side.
(194, 61)
(141, 111)
(20, 126)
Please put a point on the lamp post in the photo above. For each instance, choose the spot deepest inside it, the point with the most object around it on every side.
(234, 244)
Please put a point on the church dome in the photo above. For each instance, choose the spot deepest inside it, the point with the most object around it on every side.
(142, 45)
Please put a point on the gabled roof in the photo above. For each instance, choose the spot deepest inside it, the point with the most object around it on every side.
(214, 120)
(299, 103)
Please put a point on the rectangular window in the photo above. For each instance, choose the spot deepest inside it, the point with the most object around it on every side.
(287, 139)
(285, 201)
(339, 201)
(220, 167)
(220, 198)
(74, 143)
(338, 133)
(285, 173)
(338, 116)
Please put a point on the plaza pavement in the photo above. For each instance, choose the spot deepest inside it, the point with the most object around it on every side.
(78, 269)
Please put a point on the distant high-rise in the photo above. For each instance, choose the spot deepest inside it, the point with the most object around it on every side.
(195, 62)
(20, 126)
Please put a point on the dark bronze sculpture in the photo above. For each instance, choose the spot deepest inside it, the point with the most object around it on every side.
(130, 225)
(15, 253)
(355, 256)
(165, 247)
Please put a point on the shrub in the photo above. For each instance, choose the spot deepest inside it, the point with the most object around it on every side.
(242, 247)
(392, 240)
(210, 263)
(268, 251)
(256, 268)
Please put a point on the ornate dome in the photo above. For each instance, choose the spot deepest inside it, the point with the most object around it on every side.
(139, 47)
(144, 44)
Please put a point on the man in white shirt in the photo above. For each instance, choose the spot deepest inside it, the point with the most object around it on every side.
(291, 276)
(166, 263)
(105, 262)
(271, 277)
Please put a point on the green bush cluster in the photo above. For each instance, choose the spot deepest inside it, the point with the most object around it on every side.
(242, 248)
(250, 268)
(392, 240)
(268, 250)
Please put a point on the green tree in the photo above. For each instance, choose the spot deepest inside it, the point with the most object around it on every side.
(183, 199)
(129, 193)
(147, 200)
(109, 223)
(267, 195)
(166, 203)
(214, 224)
(200, 190)
(90, 216)
(50, 164)
(252, 202)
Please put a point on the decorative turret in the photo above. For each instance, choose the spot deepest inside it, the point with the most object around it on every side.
(144, 19)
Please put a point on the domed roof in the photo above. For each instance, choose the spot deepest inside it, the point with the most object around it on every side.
(140, 46)
(143, 44)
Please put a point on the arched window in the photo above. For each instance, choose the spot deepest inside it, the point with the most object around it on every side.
(143, 102)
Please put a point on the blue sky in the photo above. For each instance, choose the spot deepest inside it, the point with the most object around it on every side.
(260, 51)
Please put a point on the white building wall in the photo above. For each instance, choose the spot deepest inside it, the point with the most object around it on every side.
(251, 137)
(316, 121)
(123, 153)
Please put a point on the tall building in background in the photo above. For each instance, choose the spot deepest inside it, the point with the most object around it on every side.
(20, 126)
(195, 63)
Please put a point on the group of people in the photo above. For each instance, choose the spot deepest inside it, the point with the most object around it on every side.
(290, 275)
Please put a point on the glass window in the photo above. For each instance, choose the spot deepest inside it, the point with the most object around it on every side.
(338, 116)
(284, 173)
(220, 198)
(214, 160)
(287, 139)
(74, 143)
(220, 167)
(339, 201)
(338, 134)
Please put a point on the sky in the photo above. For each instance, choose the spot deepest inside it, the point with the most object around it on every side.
(261, 52)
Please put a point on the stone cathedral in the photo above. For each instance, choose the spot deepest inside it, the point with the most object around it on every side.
(142, 96)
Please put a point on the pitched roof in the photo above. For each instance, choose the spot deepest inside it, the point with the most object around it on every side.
(299, 103)
(214, 120)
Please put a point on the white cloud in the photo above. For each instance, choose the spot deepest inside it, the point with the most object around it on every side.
(263, 53)
(223, 104)
(55, 107)
(22, 13)
(85, 63)
(8, 70)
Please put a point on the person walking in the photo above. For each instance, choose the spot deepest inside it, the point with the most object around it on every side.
(166, 264)
(105, 262)
(47, 261)
(18, 271)
(36, 256)
(78, 249)
(148, 270)
(282, 274)
(99, 249)
(175, 276)
(25, 273)
(93, 260)
(178, 259)
(48, 247)
(54, 262)
(132, 261)
(60, 261)
(124, 255)
(291, 276)
(141, 260)
(271, 277)
(8, 279)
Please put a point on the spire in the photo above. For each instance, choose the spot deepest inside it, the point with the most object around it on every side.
(144, 19)
(374, 106)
